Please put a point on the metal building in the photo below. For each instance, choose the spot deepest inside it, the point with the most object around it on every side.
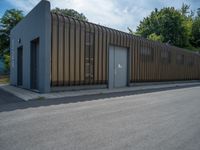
(52, 52)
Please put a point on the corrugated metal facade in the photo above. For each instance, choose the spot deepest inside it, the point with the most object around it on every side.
(79, 55)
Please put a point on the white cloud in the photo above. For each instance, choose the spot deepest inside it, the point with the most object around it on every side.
(25, 5)
(102, 12)
(118, 14)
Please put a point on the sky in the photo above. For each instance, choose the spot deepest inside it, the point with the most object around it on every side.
(117, 14)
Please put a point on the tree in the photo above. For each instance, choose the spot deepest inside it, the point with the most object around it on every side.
(7, 22)
(196, 32)
(70, 12)
(185, 9)
(198, 12)
(132, 32)
(167, 24)
(155, 37)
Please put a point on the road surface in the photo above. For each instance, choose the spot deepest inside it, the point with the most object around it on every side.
(164, 120)
(6, 98)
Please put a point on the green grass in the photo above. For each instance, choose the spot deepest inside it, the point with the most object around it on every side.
(40, 98)
(4, 79)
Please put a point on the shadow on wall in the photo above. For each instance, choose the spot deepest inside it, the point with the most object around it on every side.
(48, 102)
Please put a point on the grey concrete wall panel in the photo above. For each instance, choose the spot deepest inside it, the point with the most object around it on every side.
(37, 24)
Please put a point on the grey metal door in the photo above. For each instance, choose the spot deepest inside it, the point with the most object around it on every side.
(118, 65)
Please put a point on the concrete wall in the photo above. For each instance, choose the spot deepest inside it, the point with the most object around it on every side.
(36, 24)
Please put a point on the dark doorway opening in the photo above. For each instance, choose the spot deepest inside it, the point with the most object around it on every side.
(20, 66)
(34, 63)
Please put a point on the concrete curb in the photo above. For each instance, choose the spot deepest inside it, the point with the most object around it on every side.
(30, 95)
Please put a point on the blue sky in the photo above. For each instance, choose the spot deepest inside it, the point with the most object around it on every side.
(118, 14)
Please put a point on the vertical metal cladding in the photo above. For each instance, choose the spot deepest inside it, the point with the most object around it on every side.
(80, 55)
(54, 50)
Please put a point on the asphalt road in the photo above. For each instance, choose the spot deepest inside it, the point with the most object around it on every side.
(165, 120)
(7, 98)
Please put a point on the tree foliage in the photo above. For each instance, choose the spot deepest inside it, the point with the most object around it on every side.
(198, 12)
(167, 23)
(195, 39)
(70, 12)
(155, 37)
(185, 9)
(177, 27)
(7, 22)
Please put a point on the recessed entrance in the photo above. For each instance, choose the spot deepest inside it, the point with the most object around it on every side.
(34, 63)
(118, 64)
(20, 66)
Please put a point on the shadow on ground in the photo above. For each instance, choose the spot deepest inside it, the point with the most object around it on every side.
(7, 98)
(14, 104)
